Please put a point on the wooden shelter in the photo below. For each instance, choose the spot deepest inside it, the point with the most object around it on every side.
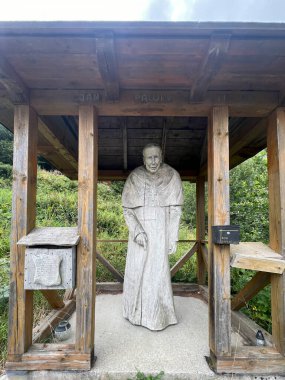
(87, 96)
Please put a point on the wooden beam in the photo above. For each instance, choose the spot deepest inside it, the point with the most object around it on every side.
(14, 85)
(253, 287)
(117, 275)
(219, 214)
(183, 260)
(276, 176)
(256, 256)
(47, 326)
(86, 250)
(200, 229)
(23, 221)
(53, 298)
(52, 357)
(218, 47)
(125, 145)
(153, 102)
(57, 144)
(253, 360)
(205, 254)
(107, 63)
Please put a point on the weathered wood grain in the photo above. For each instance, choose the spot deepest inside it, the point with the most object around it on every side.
(200, 229)
(107, 63)
(86, 251)
(257, 283)
(23, 221)
(61, 236)
(276, 176)
(218, 46)
(218, 214)
(153, 103)
(52, 357)
(256, 256)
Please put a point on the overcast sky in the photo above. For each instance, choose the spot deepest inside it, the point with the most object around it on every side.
(144, 10)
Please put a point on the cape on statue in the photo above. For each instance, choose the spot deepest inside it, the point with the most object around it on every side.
(152, 205)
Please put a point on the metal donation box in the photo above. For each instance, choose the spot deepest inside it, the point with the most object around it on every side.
(226, 234)
(50, 258)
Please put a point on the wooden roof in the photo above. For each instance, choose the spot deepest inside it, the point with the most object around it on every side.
(149, 82)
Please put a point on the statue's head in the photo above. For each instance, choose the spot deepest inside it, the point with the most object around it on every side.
(152, 157)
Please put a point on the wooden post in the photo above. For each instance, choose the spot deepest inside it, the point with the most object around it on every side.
(276, 174)
(219, 255)
(86, 252)
(200, 228)
(23, 221)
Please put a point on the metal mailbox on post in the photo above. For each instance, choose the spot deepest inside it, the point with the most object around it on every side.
(50, 258)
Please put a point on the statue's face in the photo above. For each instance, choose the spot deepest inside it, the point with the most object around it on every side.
(152, 159)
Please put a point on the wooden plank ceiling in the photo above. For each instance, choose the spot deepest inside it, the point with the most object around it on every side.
(150, 82)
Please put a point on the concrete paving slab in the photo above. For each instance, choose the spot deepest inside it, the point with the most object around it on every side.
(123, 349)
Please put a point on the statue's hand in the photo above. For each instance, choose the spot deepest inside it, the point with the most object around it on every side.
(141, 239)
(172, 247)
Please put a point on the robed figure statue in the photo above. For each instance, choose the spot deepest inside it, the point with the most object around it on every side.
(152, 200)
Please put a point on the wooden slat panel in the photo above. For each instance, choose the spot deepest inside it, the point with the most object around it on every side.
(86, 251)
(276, 174)
(200, 228)
(218, 213)
(23, 221)
(257, 283)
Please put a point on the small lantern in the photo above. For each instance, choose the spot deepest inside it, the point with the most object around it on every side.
(260, 341)
(62, 331)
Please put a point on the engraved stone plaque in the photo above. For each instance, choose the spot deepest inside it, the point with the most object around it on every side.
(50, 268)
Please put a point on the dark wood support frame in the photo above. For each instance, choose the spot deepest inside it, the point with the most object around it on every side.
(23, 354)
(218, 214)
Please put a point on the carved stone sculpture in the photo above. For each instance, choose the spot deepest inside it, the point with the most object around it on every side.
(152, 200)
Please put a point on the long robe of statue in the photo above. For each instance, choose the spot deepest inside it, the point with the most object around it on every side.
(152, 204)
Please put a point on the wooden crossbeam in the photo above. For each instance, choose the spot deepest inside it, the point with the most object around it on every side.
(53, 298)
(183, 260)
(14, 85)
(47, 326)
(257, 283)
(107, 63)
(218, 47)
(153, 102)
(57, 144)
(205, 254)
(110, 267)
